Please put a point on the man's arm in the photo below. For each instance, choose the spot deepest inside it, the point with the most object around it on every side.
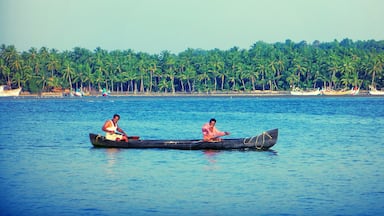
(220, 133)
(105, 126)
(121, 131)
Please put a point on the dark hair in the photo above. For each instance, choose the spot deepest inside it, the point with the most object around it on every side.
(212, 119)
(116, 115)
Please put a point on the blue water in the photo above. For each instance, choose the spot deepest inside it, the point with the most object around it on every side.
(329, 159)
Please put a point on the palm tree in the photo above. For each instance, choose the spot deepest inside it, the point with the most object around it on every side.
(262, 70)
(164, 85)
(16, 67)
(87, 76)
(215, 66)
(5, 71)
(98, 78)
(333, 68)
(278, 67)
(27, 75)
(53, 65)
(53, 82)
(189, 75)
(168, 66)
(376, 67)
(142, 69)
(346, 71)
(203, 78)
(131, 77)
(67, 73)
(9, 53)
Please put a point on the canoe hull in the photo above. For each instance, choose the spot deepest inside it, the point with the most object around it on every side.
(263, 141)
(340, 93)
(306, 93)
(376, 92)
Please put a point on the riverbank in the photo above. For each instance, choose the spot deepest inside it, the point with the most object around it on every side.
(206, 94)
(164, 94)
(257, 93)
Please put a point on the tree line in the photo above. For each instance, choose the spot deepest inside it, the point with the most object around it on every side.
(264, 66)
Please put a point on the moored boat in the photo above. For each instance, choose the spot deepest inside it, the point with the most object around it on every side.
(105, 92)
(263, 141)
(353, 91)
(374, 91)
(78, 93)
(5, 91)
(300, 92)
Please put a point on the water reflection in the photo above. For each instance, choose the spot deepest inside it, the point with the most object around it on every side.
(211, 157)
(111, 158)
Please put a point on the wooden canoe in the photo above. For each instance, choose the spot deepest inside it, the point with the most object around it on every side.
(341, 92)
(298, 92)
(374, 91)
(7, 92)
(263, 141)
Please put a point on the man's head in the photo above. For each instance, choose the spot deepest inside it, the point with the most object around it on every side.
(116, 117)
(212, 122)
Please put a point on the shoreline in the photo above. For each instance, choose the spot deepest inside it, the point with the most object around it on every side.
(266, 93)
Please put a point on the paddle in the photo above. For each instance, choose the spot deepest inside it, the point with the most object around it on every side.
(225, 134)
(129, 137)
(213, 139)
(217, 138)
(134, 137)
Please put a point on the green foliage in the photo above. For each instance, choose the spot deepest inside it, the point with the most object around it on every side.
(34, 86)
(263, 66)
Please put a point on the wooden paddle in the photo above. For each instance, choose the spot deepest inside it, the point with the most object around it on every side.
(226, 134)
(129, 137)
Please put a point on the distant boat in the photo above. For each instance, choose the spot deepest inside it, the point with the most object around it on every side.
(300, 92)
(352, 91)
(105, 92)
(5, 91)
(78, 93)
(374, 91)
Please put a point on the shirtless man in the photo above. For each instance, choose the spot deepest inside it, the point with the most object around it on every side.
(211, 133)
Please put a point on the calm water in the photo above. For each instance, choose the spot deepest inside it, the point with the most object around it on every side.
(329, 159)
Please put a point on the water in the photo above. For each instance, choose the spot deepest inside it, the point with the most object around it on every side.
(329, 158)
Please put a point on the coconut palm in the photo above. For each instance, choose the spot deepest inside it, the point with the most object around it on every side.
(68, 72)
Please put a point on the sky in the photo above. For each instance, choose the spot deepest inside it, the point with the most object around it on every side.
(153, 26)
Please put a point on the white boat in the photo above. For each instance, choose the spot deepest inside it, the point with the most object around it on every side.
(374, 91)
(5, 91)
(352, 91)
(78, 93)
(300, 92)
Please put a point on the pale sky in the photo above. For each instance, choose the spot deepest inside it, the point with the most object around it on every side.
(153, 26)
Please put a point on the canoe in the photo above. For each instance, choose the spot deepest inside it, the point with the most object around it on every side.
(298, 92)
(263, 141)
(341, 92)
(374, 91)
(7, 92)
